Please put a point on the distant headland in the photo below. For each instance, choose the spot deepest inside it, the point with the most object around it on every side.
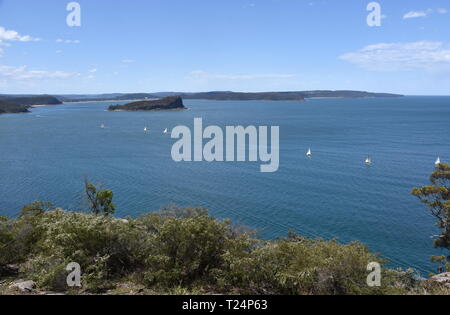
(21, 104)
(166, 103)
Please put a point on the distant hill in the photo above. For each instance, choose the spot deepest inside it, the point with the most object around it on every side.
(345, 94)
(30, 100)
(21, 104)
(229, 96)
(284, 96)
(88, 97)
(167, 103)
(232, 96)
(139, 96)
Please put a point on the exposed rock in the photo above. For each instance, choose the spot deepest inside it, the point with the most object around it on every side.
(443, 279)
(24, 286)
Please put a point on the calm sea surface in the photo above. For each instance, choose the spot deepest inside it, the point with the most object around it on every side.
(47, 154)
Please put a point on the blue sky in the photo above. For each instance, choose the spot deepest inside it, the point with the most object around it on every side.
(239, 45)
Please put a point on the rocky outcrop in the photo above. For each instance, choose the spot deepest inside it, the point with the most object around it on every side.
(442, 279)
(24, 286)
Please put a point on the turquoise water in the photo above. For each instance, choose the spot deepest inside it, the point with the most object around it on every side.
(47, 154)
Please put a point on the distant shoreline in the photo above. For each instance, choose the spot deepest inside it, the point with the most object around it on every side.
(105, 101)
(22, 103)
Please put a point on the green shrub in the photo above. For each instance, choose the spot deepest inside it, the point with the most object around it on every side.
(187, 246)
(115, 246)
(301, 266)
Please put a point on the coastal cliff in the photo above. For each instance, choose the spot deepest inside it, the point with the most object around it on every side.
(167, 103)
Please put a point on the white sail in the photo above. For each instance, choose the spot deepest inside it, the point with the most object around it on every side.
(145, 129)
(368, 161)
(166, 131)
(103, 126)
(438, 161)
(309, 154)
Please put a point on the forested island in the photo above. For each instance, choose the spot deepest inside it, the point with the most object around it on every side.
(167, 103)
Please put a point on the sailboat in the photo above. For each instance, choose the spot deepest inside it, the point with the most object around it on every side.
(145, 129)
(368, 161)
(166, 131)
(309, 154)
(103, 126)
(438, 161)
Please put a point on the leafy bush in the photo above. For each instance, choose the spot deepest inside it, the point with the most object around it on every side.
(186, 246)
(301, 266)
(92, 241)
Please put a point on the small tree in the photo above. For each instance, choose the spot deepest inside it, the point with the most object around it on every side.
(36, 208)
(100, 201)
(437, 197)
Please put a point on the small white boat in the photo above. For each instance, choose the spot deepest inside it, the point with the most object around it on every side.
(309, 154)
(103, 126)
(166, 131)
(368, 161)
(438, 161)
(145, 129)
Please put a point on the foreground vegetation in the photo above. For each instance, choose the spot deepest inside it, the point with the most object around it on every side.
(182, 251)
(186, 251)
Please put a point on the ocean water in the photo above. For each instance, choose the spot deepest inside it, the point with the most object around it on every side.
(47, 154)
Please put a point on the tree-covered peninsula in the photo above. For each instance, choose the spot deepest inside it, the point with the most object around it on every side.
(21, 104)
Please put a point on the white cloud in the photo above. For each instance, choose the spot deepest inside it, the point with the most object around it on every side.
(199, 74)
(59, 51)
(13, 36)
(68, 41)
(10, 35)
(127, 60)
(92, 70)
(421, 55)
(22, 73)
(416, 14)
(1, 52)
